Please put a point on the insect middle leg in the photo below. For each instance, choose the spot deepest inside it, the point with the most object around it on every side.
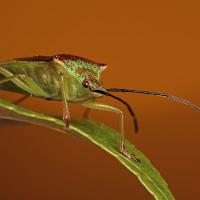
(64, 91)
(100, 106)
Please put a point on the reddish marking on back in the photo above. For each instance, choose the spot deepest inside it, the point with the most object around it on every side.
(61, 57)
(64, 57)
(35, 58)
(80, 70)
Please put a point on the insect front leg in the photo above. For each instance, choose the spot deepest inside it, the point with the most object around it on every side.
(87, 111)
(100, 106)
(64, 91)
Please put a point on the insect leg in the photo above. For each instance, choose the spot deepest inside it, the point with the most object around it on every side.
(10, 78)
(87, 111)
(100, 106)
(21, 99)
(16, 79)
(64, 89)
(18, 101)
(24, 82)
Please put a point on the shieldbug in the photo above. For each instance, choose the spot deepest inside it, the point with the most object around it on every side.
(71, 79)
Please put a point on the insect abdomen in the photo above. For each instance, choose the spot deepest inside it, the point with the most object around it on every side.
(42, 73)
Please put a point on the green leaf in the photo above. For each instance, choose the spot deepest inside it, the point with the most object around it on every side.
(101, 135)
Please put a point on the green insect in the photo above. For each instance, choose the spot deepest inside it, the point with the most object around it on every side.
(71, 79)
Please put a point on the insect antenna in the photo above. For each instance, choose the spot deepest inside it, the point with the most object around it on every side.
(162, 94)
(122, 101)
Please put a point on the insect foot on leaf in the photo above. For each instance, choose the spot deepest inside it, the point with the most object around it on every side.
(66, 124)
(130, 155)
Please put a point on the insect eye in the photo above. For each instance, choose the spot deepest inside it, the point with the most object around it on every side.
(85, 84)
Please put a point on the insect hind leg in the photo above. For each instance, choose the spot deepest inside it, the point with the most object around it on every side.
(17, 79)
(21, 99)
(21, 76)
(24, 82)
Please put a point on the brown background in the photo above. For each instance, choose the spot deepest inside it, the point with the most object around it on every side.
(147, 45)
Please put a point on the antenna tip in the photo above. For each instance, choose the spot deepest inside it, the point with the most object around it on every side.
(136, 126)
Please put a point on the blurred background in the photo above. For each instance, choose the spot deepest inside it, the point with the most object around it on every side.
(152, 45)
